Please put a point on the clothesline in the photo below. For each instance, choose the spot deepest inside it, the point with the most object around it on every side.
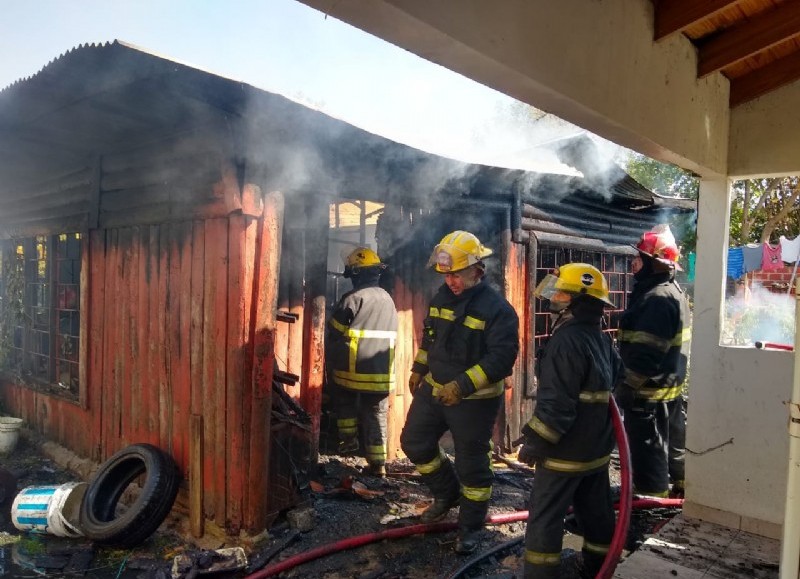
(762, 256)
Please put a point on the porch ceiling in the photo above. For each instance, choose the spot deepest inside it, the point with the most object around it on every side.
(754, 43)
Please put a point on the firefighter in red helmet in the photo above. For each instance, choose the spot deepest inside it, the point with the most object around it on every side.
(469, 344)
(654, 340)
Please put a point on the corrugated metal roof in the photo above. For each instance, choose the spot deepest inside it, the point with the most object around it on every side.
(101, 99)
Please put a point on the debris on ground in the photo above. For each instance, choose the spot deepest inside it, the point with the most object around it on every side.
(344, 500)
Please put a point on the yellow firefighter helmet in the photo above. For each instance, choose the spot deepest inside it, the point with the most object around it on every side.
(361, 257)
(456, 251)
(575, 279)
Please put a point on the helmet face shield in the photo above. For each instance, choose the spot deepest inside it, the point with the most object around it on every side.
(573, 279)
(546, 288)
(456, 251)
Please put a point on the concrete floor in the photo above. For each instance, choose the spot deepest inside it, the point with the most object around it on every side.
(692, 549)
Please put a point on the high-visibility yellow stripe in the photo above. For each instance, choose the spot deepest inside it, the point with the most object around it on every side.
(543, 430)
(339, 326)
(634, 379)
(375, 453)
(659, 394)
(360, 377)
(645, 338)
(442, 313)
(365, 386)
(478, 494)
(491, 391)
(434, 465)
(574, 466)
(682, 337)
(474, 323)
(353, 354)
(421, 357)
(384, 334)
(600, 397)
(595, 547)
(478, 377)
(537, 558)
(347, 426)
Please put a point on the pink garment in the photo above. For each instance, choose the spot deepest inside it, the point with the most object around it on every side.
(772, 258)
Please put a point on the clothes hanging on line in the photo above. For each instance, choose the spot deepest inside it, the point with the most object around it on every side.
(753, 256)
(772, 257)
(735, 262)
(790, 249)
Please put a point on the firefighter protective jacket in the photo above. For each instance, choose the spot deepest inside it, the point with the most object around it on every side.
(654, 338)
(362, 332)
(577, 370)
(472, 339)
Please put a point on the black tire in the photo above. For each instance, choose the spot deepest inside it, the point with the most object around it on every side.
(99, 521)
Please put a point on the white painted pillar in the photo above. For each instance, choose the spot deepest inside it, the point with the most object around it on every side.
(709, 291)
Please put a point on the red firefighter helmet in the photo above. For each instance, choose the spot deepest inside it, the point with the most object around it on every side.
(659, 243)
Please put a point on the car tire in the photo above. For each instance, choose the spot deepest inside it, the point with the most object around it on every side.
(99, 520)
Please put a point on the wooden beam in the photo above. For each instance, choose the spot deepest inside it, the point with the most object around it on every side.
(677, 15)
(766, 79)
(749, 37)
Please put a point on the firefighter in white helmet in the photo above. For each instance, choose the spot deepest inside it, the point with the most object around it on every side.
(654, 336)
(570, 436)
(359, 357)
(469, 344)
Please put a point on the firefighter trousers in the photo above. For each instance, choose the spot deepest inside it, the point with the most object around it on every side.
(471, 423)
(551, 497)
(366, 410)
(657, 437)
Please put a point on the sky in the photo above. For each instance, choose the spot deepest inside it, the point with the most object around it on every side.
(286, 47)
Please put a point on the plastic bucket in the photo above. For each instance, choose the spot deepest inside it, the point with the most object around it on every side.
(44, 509)
(9, 433)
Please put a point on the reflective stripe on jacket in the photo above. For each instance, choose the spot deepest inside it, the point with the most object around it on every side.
(362, 333)
(472, 339)
(577, 370)
(655, 338)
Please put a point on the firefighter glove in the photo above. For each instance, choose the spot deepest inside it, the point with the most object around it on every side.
(414, 382)
(449, 394)
(530, 454)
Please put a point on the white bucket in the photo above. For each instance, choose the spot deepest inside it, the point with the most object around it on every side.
(41, 509)
(9, 433)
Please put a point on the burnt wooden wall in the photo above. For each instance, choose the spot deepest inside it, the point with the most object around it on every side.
(170, 314)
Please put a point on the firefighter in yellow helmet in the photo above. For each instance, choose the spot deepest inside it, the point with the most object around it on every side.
(469, 344)
(570, 437)
(359, 357)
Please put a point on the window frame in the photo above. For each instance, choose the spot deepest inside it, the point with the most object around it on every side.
(21, 370)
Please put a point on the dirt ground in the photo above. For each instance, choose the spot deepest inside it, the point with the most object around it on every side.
(342, 501)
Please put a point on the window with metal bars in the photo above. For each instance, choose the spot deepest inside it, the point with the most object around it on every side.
(40, 310)
(615, 268)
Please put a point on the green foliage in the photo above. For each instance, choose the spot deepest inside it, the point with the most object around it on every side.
(670, 181)
(772, 203)
(662, 178)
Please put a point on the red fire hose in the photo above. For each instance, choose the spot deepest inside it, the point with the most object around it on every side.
(626, 494)
(626, 504)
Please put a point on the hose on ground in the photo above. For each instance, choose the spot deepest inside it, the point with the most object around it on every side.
(361, 540)
(625, 498)
(626, 504)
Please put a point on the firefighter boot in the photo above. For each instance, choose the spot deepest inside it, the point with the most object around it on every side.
(467, 541)
(446, 491)
(348, 444)
(376, 469)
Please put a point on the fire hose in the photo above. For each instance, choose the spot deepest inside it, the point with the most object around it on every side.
(625, 505)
